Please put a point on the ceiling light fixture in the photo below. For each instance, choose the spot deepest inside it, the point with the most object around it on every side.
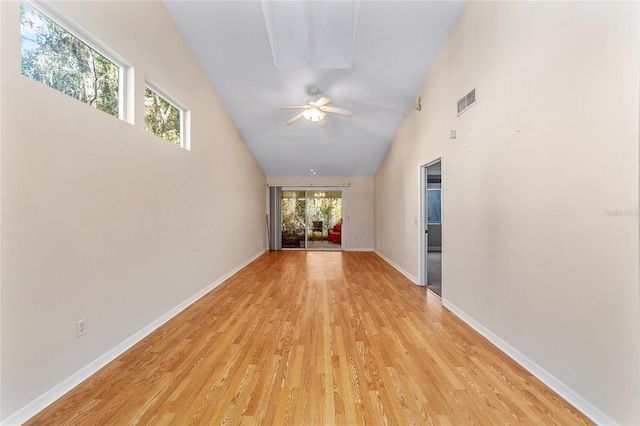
(314, 114)
(316, 110)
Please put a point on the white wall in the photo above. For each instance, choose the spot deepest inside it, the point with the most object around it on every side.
(550, 148)
(103, 221)
(357, 210)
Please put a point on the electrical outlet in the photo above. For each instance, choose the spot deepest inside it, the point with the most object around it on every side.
(81, 327)
(488, 299)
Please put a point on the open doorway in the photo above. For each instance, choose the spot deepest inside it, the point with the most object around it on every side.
(431, 217)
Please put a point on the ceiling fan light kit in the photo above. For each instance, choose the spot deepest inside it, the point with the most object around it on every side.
(315, 111)
(314, 115)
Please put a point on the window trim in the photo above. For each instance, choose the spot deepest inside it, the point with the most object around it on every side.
(185, 116)
(125, 70)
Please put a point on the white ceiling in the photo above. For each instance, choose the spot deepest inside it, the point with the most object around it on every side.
(368, 56)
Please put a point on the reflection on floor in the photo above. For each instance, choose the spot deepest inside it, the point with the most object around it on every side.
(322, 245)
(434, 272)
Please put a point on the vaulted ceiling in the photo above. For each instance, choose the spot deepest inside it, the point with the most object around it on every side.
(369, 57)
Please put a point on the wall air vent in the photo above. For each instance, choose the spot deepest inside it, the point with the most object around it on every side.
(466, 101)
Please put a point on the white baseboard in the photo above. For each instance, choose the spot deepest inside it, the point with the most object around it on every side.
(40, 403)
(357, 249)
(402, 271)
(544, 376)
(47, 398)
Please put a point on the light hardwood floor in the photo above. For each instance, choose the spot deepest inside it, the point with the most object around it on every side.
(315, 338)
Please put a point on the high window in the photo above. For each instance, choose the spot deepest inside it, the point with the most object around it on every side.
(163, 118)
(54, 56)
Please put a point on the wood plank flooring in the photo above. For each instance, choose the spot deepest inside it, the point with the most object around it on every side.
(313, 338)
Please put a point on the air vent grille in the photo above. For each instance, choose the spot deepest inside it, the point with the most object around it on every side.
(466, 101)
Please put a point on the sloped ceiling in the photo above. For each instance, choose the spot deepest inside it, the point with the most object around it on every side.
(369, 57)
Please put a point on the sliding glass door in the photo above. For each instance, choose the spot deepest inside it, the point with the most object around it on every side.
(311, 219)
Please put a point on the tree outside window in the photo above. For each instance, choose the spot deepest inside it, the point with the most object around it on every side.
(162, 118)
(57, 58)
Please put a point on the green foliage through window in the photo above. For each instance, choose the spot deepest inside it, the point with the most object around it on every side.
(161, 117)
(57, 58)
(322, 206)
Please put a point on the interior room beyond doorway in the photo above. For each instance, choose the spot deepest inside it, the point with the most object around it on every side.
(433, 210)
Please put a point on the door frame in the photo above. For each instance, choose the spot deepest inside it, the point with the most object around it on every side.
(314, 188)
(422, 218)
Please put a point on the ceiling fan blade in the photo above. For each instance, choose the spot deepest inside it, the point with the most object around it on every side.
(322, 101)
(338, 111)
(294, 119)
(295, 107)
(323, 123)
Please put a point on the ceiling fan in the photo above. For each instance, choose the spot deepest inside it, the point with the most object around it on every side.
(316, 110)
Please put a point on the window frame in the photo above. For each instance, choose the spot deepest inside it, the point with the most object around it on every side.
(124, 70)
(184, 114)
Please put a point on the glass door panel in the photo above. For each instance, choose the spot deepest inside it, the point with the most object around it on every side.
(293, 219)
(324, 219)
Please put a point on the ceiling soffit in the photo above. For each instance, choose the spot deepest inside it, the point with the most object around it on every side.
(311, 34)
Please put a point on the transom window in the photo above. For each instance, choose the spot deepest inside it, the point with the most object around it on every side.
(59, 59)
(163, 118)
(53, 55)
